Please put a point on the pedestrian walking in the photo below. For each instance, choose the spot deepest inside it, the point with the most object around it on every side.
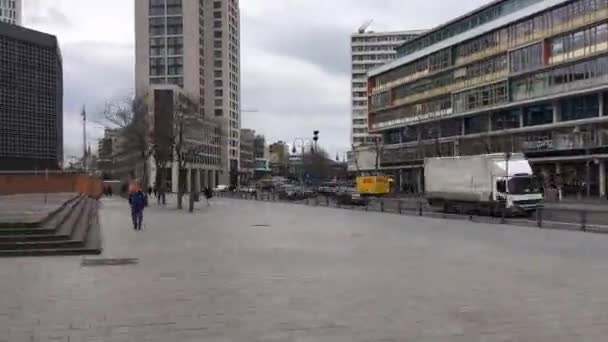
(138, 201)
(208, 195)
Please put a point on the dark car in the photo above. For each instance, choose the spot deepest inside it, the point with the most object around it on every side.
(349, 196)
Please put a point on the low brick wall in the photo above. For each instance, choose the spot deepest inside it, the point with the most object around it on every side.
(53, 183)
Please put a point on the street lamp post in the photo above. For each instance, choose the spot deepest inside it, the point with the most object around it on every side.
(313, 149)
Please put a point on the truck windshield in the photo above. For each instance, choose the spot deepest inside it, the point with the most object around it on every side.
(524, 185)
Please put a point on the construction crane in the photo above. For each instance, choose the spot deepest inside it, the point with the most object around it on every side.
(249, 111)
(365, 25)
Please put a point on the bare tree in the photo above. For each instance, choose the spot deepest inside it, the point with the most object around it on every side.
(317, 164)
(129, 114)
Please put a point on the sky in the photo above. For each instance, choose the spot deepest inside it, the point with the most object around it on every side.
(295, 59)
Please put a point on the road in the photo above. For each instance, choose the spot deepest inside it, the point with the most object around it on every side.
(259, 271)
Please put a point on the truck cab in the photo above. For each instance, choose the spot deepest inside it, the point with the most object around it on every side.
(520, 190)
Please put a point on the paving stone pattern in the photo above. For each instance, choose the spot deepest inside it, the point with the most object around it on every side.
(254, 271)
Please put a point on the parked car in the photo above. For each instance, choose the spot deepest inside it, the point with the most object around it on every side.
(221, 188)
(349, 196)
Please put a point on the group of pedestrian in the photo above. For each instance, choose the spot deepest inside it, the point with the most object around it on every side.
(107, 191)
(138, 200)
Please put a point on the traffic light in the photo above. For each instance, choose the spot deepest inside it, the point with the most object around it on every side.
(315, 136)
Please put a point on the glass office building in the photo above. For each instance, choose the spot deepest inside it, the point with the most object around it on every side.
(513, 76)
(31, 100)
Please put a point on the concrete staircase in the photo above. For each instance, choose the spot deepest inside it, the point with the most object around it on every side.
(72, 229)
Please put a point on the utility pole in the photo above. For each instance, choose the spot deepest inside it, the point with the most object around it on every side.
(84, 138)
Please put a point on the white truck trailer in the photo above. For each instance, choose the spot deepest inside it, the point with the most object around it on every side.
(483, 183)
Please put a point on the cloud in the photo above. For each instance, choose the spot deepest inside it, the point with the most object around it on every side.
(295, 59)
(50, 17)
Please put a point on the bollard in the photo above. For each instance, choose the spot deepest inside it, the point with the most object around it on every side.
(539, 217)
(399, 207)
(307, 201)
(419, 208)
(327, 201)
(583, 215)
(382, 206)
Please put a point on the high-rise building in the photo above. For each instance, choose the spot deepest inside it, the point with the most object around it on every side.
(513, 76)
(247, 158)
(369, 50)
(195, 45)
(259, 147)
(31, 100)
(10, 11)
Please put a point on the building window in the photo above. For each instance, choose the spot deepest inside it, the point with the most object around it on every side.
(175, 65)
(174, 25)
(481, 97)
(579, 44)
(157, 26)
(157, 66)
(541, 114)
(476, 124)
(581, 107)
(528, 58)
(157, 7)
(560, 79)
(175, 45)
(507, 119)
(157, 47)
(174, 7)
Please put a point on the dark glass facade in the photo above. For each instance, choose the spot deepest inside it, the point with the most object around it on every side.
(31, 100)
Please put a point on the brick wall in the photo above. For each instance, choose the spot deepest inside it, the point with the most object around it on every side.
(24, 184)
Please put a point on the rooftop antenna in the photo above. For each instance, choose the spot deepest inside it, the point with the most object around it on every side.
(365, 25)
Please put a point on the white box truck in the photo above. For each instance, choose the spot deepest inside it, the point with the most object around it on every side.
(483, 183)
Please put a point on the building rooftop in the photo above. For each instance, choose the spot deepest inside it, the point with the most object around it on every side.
(470, 34)
(386, 33)
(28, 35)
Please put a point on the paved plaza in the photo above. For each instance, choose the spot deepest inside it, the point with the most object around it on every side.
(255, 271)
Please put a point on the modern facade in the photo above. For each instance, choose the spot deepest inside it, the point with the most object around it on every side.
(106, 148)
(201, 144)
(31, 100)
(279, 158)
(513, 76)
(11, 11)
(259, 147)
(196, 46)
(369, 50)
(247, 158)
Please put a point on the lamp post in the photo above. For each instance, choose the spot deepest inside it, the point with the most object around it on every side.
(313, 149)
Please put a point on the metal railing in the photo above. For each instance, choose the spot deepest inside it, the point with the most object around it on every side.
(550, 216)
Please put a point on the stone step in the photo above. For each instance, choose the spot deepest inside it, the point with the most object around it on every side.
(75, 229)
(92, 245)
(31, 223)
(50, 225)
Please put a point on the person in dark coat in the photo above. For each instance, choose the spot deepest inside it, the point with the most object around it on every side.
(208, 194)
(137, 200)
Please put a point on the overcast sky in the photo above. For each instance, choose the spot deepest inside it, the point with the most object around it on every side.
(294, 58)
